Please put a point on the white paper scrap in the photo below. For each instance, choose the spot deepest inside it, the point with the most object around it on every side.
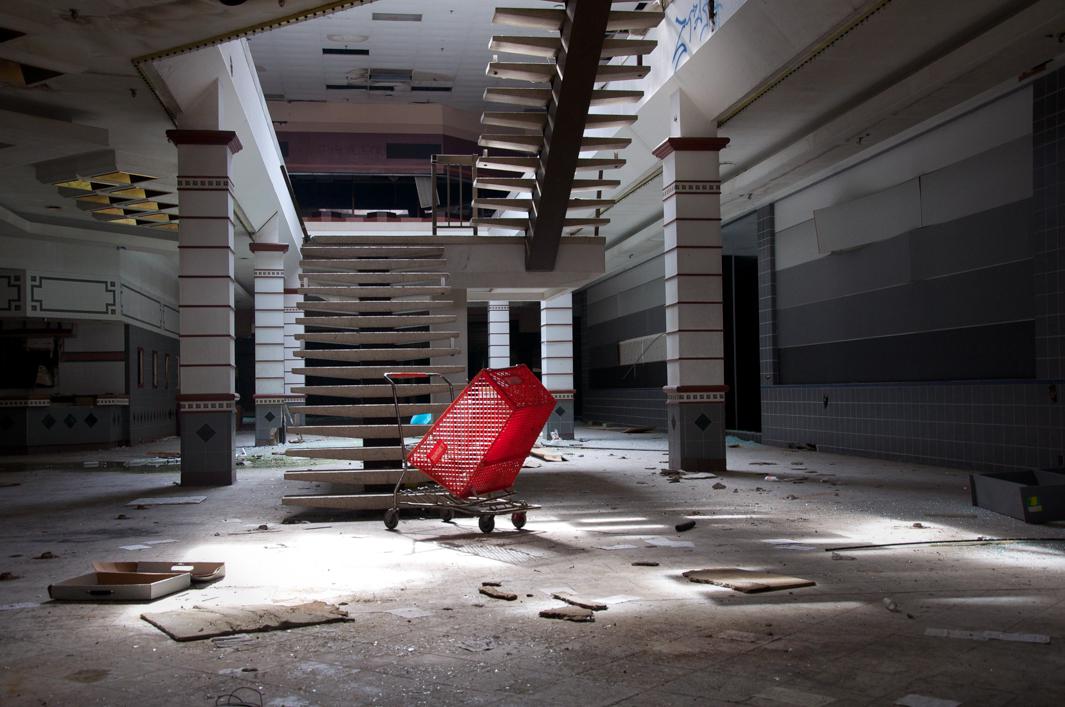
(551, 591)
(619, 546)
(618, 599)
(925, 701)
(410, 613)
(987, 635)
(663, 541)
(167, 501)
(795, 697)
(135, 547)
(20, 605)
(158, 542)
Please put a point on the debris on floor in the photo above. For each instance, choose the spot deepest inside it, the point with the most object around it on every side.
(644, 563)
(47, 555)
(546, 455)
(663, 541)
(925, 701)
(202, 622)
(685, 526)
(795, 697)
(167, 501)
(589, 604)
(988, 635)
(746, 581)
(493, 591)
(8, 576)
(718, 486)
(637, 430)
(890, 605)
(476, 645)
(837, 556)
(569, 613)
(411, 612)
(234, 640)
(199, 572)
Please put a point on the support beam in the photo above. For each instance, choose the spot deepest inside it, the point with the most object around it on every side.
(498, 334)
(292, 330)
(269, 339)
(207, 397)
(583, 31)
(695, 356)
(556, 361)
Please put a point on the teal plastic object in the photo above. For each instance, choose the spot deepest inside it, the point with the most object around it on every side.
(424, 419)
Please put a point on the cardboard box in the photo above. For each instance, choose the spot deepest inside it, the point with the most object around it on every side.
(1036, 496)
(120, 586)
(200, 571)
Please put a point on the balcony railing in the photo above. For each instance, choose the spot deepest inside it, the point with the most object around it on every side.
(453, 212)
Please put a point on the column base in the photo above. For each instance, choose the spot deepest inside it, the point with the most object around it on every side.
(696, 434)
(269, 421)
(208, 444)
(561, 419)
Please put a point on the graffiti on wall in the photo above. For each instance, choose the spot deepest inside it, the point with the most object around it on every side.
(694, 27)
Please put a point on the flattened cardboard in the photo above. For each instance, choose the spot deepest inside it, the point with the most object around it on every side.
(1035, 496)
(200, 571)
(120, 586)
(746, 581)
(202, 622)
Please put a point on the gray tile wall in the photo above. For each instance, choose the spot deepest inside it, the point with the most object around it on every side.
(983, 425)
(152, 408)
(767, 299)
(1048, 115)
(990, 426)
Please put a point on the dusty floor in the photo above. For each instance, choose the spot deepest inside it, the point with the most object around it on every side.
(663, 640)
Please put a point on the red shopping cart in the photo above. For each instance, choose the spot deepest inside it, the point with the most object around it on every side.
(475, 449)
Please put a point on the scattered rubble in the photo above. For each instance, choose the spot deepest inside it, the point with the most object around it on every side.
(685, 526)
(582, 603)
(496, 593)
(47, 555)
(569, 613)
(644, 563)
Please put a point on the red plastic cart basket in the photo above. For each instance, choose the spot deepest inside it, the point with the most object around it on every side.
(479, 443)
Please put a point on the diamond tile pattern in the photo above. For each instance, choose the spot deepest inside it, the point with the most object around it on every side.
(206, 432)
(70, 421)
(702, 422)
(48, 421)
(91, 420)
(560, 411)
(270, 416)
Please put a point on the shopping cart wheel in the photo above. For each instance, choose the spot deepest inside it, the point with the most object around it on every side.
(486, 523)
(447, 515)
(518, 519)
(391, 518)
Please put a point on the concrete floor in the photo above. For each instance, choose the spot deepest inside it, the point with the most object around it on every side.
(665, 642)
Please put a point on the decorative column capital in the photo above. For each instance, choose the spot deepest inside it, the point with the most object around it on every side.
(689, 144)
(227, 138)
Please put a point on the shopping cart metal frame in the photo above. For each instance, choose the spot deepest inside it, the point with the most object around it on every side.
(434, 496)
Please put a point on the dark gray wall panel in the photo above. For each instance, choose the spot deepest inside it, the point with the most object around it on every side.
(997, 294)
(992, 237)
(152, 408)
(630, 406)
(976, 353)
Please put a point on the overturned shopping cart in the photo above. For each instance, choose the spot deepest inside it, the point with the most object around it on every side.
(475, 449)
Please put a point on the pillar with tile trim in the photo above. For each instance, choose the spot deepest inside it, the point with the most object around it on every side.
(695, 351)
(498, 334)
(556, 361)
(207, 396)
(269, 340)
(292, 344)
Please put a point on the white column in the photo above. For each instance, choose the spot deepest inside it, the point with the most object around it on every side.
(292, 344)
(207, 395)
(269, 339)
(695, 355)
(556, 361)
(498, 334)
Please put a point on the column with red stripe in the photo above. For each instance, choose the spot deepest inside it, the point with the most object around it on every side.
(695, 352)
